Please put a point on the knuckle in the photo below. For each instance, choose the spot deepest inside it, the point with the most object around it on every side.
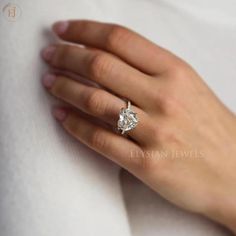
(160, 169)
(116, 37)
(157, 133)
(152, 163)
(163, 134)
(138, 159)
(98, 140)
(94, 103)
(169, 105)
(100, 66)
(179, 70)
(149, 162)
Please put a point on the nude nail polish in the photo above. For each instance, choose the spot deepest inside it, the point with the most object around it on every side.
(48, 52)
(48, 80)
(60, 27)
(59, 113)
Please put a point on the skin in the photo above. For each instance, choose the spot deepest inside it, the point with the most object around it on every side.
(184, 146)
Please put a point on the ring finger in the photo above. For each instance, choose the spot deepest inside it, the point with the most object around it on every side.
(96, 102)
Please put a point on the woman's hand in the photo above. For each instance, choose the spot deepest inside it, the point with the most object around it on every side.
(184, 146)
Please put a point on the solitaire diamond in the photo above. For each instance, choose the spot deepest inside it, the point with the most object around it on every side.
(127, 119)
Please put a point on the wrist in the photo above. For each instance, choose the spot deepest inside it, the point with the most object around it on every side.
(223, 211)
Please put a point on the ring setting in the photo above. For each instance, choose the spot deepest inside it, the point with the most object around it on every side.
(128, 119)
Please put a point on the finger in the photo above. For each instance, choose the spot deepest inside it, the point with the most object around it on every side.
(96, 102)
(126, 44)
(102, 68)
(113, 146)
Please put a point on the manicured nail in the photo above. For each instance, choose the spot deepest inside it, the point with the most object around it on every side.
(60, 27)
(59, 113)
(48, 80)
(48, 52)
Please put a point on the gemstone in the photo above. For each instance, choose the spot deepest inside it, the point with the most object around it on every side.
(127, 120)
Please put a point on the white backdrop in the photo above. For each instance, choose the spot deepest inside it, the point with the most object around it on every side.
(50, 185)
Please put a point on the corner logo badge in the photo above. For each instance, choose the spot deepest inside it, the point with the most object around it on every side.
(11, 12)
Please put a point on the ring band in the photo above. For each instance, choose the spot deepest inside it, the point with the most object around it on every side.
(128, 119)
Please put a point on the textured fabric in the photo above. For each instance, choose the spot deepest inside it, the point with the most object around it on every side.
(50, 185)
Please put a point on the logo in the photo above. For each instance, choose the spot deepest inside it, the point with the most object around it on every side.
(11, 12)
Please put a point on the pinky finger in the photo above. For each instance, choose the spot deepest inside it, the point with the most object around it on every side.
(115, 147)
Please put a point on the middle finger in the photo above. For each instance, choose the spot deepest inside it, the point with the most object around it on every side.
(102, 68)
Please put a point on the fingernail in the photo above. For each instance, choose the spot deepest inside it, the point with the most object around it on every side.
(48, 52)
(59, 113)
(48, 80)
(60, 27)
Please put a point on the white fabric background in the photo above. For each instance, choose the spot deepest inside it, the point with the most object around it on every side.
(52, 185)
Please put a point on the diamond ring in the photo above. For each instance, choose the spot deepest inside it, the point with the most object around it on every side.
(128, 119)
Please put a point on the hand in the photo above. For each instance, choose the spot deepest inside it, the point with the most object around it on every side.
(184, 146)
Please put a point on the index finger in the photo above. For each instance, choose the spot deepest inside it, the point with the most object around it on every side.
(121, 41)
